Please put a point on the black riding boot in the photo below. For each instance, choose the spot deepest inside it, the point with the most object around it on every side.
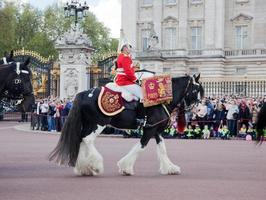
(141, 115)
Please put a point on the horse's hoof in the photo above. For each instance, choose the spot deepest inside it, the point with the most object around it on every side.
(172, 170)
(84, 172)
(123, 171)
(77, 172)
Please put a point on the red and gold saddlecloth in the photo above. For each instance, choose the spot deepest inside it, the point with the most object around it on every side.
(110, 102)
(157, 90)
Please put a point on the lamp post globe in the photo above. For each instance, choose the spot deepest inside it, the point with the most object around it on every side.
(76, 9)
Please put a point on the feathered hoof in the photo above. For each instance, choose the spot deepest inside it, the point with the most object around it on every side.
(170, 170)
(89, 161)
(124, 169)
(88, 171)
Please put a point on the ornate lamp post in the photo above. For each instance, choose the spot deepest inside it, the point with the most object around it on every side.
(74, 8)
(75, 49)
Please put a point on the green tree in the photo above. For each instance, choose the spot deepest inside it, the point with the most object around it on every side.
(29, 28)
(7, 27)
(114, 44)
(28, 22)
(42, 44)
(54, 23)
(98, 33)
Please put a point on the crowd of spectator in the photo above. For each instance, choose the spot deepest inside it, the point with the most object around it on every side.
(214, 117)
(218, 117)
(49, 114)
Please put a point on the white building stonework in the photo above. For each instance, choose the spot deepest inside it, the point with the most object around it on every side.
(224, 40)
(74, 57)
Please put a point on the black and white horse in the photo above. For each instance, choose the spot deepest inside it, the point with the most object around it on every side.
(7, 58)
(85, 122)
(261, 123)
(15, 84)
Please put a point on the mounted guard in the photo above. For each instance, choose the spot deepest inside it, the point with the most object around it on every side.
(97, 108)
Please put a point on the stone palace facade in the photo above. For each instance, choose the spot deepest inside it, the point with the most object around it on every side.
(224, 40)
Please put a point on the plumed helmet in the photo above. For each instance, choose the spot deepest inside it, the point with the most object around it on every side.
(123, 42)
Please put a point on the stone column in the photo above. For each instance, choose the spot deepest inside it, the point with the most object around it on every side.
(157, 20)
(183, 25)
(129, 20)
(220, 23)
(74, 57)
(210, 24)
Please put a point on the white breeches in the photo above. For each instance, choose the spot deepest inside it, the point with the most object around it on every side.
(134, 89)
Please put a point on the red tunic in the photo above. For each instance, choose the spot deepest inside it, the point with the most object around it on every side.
(125, 72)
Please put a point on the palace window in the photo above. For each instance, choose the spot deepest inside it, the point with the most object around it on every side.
(167, 70)
(241, 70)
(169, 2)
(147, 2)
(195, 1)
(242, 1)
(241, 37)
(196, 37)
(193, 70)
(170, 38)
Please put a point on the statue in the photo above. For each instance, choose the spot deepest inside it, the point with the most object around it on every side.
(153, 39)
(71, 82)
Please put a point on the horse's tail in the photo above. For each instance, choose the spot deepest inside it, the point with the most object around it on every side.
(261, 123)
(66, 151)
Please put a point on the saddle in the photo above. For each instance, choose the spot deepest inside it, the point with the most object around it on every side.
(127, 96)
(113, 99)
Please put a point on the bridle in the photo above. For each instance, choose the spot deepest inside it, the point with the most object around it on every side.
(17, 70)
(17, 81)
(186, 94)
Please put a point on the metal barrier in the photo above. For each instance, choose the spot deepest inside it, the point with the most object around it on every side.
(15, 116)
(242, 88)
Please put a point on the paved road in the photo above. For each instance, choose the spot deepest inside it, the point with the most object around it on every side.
(211, 170)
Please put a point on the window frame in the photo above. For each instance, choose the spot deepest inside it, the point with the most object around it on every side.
(197, 36)
(243, 37)
(195, 2)
(170, 3)
(173, 35)
(241, 70)
(146, 4)
(241, 1)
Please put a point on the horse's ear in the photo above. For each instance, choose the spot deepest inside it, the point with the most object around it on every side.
(197, 78)
(27, 61)
(11, 53)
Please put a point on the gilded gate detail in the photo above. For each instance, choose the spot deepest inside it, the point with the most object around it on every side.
(41, 71)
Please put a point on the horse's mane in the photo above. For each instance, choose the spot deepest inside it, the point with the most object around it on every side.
(4, 66)
(201, 89)
(179, 78)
